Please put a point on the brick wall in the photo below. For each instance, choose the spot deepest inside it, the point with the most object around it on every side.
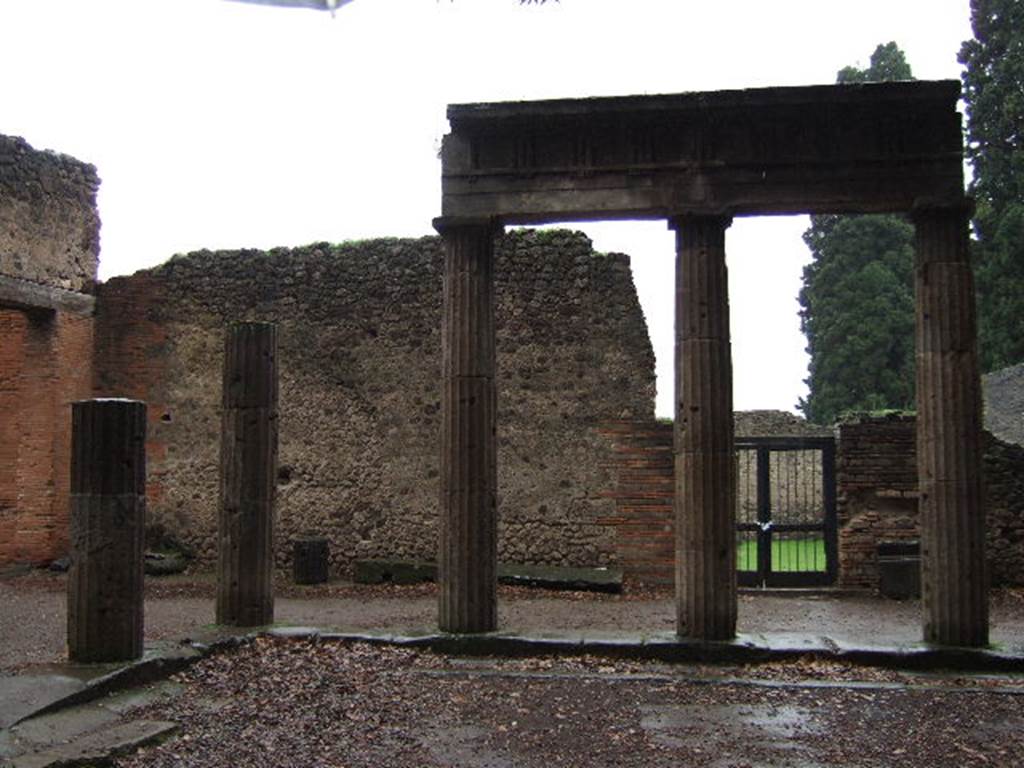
(13, 326)
(642, 463)
(131, 360)
(876, 477)
(47, 360)
(49, 245)
(876, 493)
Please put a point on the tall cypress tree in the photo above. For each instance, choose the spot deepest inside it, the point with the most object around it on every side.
(857, 300)
(994, 93)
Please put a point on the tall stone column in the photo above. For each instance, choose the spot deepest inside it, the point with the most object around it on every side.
(954, 581)
(468, 554)
(108, 519)
(705, 461)
(248, 476)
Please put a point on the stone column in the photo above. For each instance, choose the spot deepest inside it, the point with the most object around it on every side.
(108, 518)
(468, 553)
(949, 460)
(248, 476)
(705, 461)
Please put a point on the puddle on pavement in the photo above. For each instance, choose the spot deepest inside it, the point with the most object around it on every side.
(772, 726)
(462, 745)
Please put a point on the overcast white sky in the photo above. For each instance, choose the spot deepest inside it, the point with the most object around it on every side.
(221, 125)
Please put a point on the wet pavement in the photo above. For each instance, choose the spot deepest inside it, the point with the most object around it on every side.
(179, 630)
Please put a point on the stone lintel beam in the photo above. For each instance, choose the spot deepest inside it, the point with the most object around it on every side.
(949, 454)
(35, 297)
(705, 468)
(468, 546)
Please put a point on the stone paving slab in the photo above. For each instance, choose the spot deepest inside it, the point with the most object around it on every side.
(21, 695)
(99, 746)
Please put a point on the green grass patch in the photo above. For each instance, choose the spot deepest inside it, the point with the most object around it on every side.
(792, 555)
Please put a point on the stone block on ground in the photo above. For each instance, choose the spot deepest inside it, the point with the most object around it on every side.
(394, 572)
(310, 556)
(540, 576)
(164, 564)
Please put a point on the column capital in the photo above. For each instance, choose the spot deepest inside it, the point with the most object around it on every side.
(681, 219)
(445, 224)
(925, 206)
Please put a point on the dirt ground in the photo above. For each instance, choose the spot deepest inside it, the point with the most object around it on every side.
(325, 703)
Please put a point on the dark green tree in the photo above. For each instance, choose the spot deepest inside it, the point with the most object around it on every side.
(857, 300)
(994, 93)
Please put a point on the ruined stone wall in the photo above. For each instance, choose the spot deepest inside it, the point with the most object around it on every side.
(359, 359)
(49, 227)
(877, 498)
(49, 242)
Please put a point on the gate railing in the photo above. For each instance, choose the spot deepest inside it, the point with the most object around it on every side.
(786, 511)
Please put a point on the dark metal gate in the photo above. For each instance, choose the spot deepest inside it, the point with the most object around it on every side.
(786, 511)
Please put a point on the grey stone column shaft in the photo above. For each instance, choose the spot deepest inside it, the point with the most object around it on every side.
(468, 551)
(248, 476)
(949, 459)
(108, 518)
(705, 462)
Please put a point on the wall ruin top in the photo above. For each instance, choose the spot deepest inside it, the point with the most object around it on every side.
(49, 227)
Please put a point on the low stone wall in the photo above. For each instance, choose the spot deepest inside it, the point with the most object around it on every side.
(359, 359)
(877, 498)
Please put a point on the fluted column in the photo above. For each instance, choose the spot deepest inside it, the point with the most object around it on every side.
(468, 553)
(705, 462)
(108, 519)
(248, 476)
(954, 582)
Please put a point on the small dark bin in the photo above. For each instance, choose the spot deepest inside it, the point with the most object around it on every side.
(899, 569)
(309, 560)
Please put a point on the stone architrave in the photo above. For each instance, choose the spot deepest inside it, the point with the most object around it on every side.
(108, 517)
(949, 453)
(468, 547)
(705, 462)
(248, 476)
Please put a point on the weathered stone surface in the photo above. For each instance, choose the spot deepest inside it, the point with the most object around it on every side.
(1003, 397)
(49, 227)
(845, 148)
(705, 462)
(309, 560)
(543, 576)
(954, 583)
(108, 509)
(359, 337)
(468, 550)
(248, 476)
(393, 572)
